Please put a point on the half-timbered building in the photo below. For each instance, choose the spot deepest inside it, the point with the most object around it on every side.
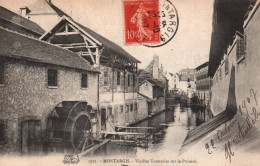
(117, 81)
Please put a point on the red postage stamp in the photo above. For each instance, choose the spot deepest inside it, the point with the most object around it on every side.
(142, 24)
(152, 23)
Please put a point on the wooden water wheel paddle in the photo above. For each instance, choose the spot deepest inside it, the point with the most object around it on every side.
(70, 122)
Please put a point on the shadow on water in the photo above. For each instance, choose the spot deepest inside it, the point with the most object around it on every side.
(172, 127)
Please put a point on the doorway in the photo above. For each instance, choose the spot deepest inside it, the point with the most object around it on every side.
(31, 137)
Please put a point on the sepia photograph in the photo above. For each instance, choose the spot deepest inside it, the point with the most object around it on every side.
(129, 82)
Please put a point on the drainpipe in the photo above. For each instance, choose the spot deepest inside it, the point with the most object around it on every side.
(98, 111)
(113, 81)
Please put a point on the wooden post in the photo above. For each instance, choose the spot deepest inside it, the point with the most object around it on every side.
(112, 65)
(97, 57)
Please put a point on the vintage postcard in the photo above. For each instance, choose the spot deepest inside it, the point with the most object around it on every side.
(129, 82)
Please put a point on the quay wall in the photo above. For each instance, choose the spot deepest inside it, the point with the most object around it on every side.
(246, 69)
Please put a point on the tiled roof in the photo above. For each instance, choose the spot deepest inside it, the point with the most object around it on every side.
(57, 10)
(206, 64)
(146, 73)
(111, 46)
(20, 21)
(20, 46)
(154, 82)
(146, 97)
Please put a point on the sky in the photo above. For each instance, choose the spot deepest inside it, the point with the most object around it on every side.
(188, 49)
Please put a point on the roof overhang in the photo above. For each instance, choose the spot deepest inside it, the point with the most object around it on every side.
(228, 17)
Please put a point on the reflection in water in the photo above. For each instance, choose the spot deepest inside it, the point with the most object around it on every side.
(175, 125)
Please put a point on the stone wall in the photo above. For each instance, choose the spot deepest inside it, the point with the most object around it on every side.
(146, 89)
(142, 108)
(158, 105)
(25, 95)
(246, 71)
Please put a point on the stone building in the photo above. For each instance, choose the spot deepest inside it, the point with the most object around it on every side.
(173, 81)
(234, 57)
(152, 91)
(203, 83)
(117, 81)
(186, 81)
(234, 66)
(152, 88)
(35, 77)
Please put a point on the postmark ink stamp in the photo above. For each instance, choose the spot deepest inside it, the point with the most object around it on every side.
(152, 23)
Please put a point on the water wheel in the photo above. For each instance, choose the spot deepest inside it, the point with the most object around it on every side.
(70, 123)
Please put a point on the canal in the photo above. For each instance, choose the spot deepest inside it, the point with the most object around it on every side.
(174, 125)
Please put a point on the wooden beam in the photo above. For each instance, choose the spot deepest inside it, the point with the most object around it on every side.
(120, 133)
(89, 40)
(71, 44)
(66, 33)
(66, 28)
(90, 52)
(75, 45)
(82, 30)
(97, 57)
(61, 27)
(93, 148)
(128, 127)
(75, 29)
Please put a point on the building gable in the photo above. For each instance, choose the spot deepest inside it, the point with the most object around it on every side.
(93, 47)
(19, 46)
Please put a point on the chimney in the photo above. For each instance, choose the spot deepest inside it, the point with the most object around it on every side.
(156, 66)
(24, 11)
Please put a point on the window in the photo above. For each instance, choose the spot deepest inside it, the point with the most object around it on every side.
(241, 47)
(105, 82)
(133, 80)
(105, 73)
(1, 70)
(118, 78)
(126, 108)
(121, 108)
(84, 80)
(105, 76)
(52, 77)
(135, 107)
(2, 131)
(128, 80)
(220, 74)
(131, 107)
(109, 111)
(226, 66)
